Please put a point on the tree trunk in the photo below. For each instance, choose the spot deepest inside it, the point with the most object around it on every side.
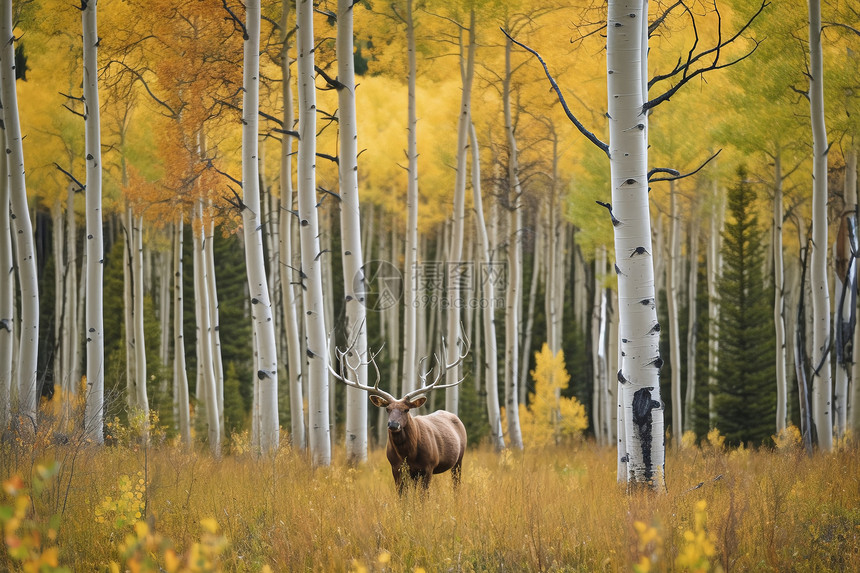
(821, 375)
(854, 399)
(714, 268)
(692, 322)
(140, 377)
(180, 374)
(410, 266)
(488, 296)
(455, 252)
(214, 318)
(204, 333)
(128, 308)
(95, 347)
(350, 229)
(261, 307)
(7, 295)
(60, 358)
(672, 273)
(846, 296)
(26, 254)
(286, 265)
(317, 351)
(626, 60)
(779, 299)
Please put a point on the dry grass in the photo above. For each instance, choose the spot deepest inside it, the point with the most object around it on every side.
(555, 509)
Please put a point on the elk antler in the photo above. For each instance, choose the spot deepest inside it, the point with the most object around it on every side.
(343, 359)
(425, 388)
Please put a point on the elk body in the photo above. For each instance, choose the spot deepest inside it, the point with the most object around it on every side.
(418, 446)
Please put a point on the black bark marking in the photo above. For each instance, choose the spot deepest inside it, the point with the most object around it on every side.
(642, 423)
(655, 329)
(621, 378)
(638, 251)
(263, 375)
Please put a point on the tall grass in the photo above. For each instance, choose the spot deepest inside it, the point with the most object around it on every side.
(548, 510)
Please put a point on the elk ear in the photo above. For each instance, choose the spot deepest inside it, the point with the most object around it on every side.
(418, 402)
(378, 401)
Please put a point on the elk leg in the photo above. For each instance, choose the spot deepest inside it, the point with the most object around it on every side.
(455, 474)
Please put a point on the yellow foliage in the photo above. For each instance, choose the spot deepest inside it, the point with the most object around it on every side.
(789, 438)
(698, 548)
(549, 418)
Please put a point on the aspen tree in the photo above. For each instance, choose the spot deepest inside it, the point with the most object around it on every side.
(94, 240)
(672, 277)
(7, 290)
(844, 251)
(317, 351)
(19, 212)
(266, 360)
(410, 266)
(821, 374)
(180, 374)
(139, 340)
(289, 300)
(350, 230)
(779, 298)
(488, 296)
(513, 301)
(455, 248)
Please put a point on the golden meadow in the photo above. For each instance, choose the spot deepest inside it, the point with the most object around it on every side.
(76, 507)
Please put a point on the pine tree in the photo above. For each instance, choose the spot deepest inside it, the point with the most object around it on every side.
(746, 391)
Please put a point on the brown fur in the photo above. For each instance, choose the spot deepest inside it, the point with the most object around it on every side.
(421, 446)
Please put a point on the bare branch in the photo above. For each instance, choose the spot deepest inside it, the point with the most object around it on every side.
(677, 175)
(590, 136)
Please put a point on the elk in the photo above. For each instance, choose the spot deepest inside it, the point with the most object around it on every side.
(418, 446)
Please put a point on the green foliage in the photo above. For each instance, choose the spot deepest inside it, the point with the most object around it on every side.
(746, 390)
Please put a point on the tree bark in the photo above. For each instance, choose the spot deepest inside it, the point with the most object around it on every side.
(140, 375)
(25, 246)
(692, 321)
(626, 58)
(204, 332)
(320, 440)
(180, 374)
(821, 375)
(455, 252)
(261, 307)
(779, 298)
(672, 306)
(289, 300)
(95, 347)
(350, 229)
(7, 295)
(410, 266)
(488, 296)
(714, 266)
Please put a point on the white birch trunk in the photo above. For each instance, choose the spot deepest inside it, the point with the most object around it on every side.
(846, 297)
(7, 292)
(821, 375)
(488, 295)
(258, 288)
(410, 267)
(455, 252)
(714, 268)
(214, 319)
(513, 301)
(779, 299)
(853, 414)
(60, 358)
(626, 59)
(25, 246)
(289, 301)
(350, 229)
(597, 370)
(140, 376)
(672, 260)
(692, 321)
(204, 334)
(128, 309)
(95, 346)
(318, 382)
(180, 373)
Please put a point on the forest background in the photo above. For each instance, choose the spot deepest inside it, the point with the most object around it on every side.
(169, 71)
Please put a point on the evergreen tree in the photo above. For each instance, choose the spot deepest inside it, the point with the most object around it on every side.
(746, 389)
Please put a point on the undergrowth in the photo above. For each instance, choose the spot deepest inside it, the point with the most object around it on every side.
(135, 508)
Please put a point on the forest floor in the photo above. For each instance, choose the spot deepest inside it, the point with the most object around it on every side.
(133, 508)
